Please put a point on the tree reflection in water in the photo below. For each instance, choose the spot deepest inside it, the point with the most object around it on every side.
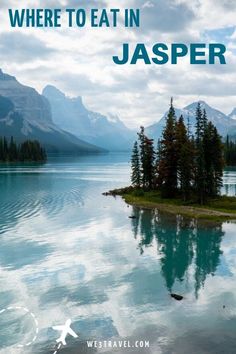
(181, 242)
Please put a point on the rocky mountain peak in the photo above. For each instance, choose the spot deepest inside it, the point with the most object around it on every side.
(72, 115)
(6, 77)
(222, 122)
(25, 114)
(193, 105)
(53, 92)
(27, 101)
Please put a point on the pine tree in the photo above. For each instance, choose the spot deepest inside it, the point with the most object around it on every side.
(200, 178)
(158, 166)
(218, 162)
(13, 153)
(188, 127)
(146, 160)
(168, 155)
(149, 163)
(135, 167)
(204, 120)
(209, 151)
(141, 137)
(5, 149)
(185, 157)
(209, 162)
(191, 166)
(27, 151)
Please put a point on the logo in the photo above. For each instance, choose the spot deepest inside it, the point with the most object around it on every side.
(65, 330)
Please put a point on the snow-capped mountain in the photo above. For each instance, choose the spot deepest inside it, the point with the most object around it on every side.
(25, 114)
(71, 115)
(223, 123)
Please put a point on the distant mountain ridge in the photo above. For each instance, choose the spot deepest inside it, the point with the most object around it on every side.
(232, 115)
(64, 124)
(223, 123)
(71, 115)
(25, 114)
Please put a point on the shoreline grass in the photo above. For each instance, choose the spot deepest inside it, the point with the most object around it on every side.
(222, 208)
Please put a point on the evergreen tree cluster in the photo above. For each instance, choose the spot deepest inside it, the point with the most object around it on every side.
(183, 165)
(230, 152)
(29, 150)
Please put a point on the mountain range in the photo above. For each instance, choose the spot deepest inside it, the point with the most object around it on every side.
(233, 114)
(110, 133)
(224, 124)
(64, 124)
(71, 115)
(25, 114)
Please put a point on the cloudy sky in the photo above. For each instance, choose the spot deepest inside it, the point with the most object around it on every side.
(79, 60)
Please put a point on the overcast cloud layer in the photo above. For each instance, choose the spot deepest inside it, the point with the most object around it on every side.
(79, 61)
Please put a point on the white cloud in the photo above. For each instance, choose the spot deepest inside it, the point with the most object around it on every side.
(79, 60)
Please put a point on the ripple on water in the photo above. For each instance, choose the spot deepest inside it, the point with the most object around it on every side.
(29, 206)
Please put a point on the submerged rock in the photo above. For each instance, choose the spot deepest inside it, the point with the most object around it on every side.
(177, 297)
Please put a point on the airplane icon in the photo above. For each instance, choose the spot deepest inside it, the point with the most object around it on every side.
(65, 331)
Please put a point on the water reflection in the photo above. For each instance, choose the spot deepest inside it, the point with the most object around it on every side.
(229, 182)
(180, 243)
(69, 252)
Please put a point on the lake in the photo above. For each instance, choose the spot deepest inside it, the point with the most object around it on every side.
(68, 252)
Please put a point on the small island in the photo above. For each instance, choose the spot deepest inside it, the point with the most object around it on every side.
(27, 151)
(184, 174)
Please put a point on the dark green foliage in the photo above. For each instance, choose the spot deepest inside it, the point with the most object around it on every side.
(147, 158)
(12, 151)
(149, 162)
(141, 137)
(29, 150)
(135, 167)
(168, 159)
(214, 161)
(158, 165)
(217, 161)
(209, 158)
(184, 165)
(200, 178)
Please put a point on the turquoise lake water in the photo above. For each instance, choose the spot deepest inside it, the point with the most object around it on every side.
(67, 252)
